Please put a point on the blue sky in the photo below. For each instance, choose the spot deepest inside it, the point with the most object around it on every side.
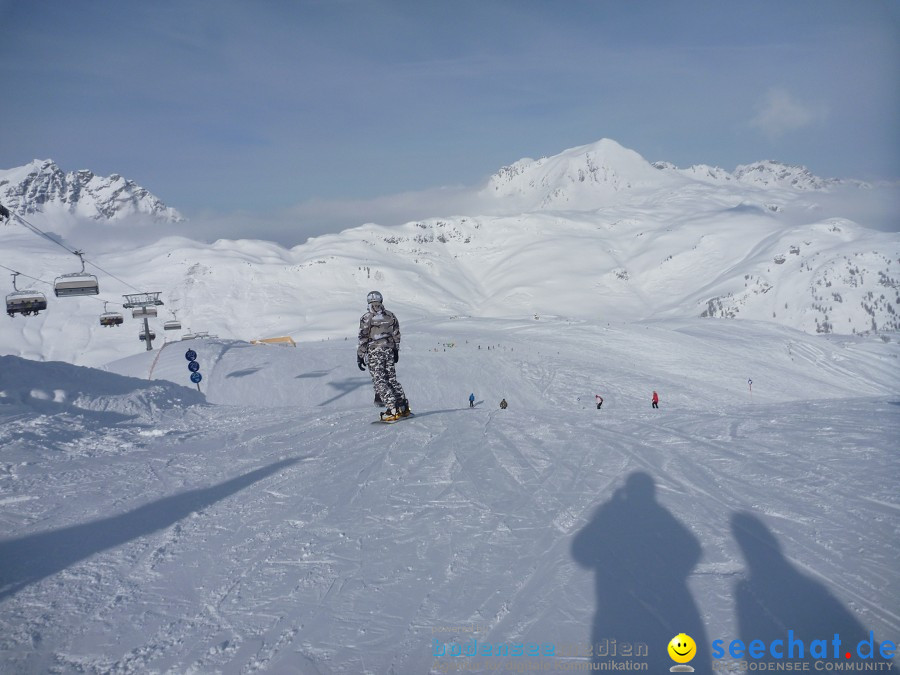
(229, 106)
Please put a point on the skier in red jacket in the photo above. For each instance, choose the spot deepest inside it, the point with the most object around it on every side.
(655, 400)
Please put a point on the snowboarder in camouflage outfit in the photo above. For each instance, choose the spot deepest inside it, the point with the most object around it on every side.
(379, 347)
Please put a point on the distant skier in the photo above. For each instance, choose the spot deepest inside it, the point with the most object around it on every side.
(503, 404)
(379, 347)
(655, 400)
(472, 400)
(599, 400)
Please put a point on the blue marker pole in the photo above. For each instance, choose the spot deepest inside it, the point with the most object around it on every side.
(194, 367)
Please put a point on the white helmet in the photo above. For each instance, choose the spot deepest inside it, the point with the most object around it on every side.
(374, 296)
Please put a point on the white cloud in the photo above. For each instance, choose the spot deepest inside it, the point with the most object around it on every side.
(781, 113)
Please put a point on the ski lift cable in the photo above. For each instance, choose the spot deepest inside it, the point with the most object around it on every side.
(38, 231)
(110, 274)
(99, 299)
(77, 252)
(27, 276)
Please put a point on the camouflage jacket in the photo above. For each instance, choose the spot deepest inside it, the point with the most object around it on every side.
(378, 330)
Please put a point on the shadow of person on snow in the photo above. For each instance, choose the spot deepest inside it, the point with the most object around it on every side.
(641, 556)
(775, 598)
(29, 559)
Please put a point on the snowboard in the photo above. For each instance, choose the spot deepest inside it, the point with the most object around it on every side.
(401, 419)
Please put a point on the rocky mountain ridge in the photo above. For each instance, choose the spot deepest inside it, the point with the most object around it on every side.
(41, 186)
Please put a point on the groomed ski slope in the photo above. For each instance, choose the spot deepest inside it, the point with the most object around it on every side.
(272, 528)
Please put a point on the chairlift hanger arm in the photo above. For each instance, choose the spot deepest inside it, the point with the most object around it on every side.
(80, 255)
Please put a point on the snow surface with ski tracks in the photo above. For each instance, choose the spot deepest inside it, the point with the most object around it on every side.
(263, 525)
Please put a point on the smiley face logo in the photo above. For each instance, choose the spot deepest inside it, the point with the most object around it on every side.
(682, 648)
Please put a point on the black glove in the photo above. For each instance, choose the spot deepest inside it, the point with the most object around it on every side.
(360, 363)
(396, 354)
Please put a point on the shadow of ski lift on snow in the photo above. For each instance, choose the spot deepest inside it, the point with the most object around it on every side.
(29, 559)
(313, 374)
(243, 373)
(345, 387)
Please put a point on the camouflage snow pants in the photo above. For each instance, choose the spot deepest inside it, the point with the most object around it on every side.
(384, 377)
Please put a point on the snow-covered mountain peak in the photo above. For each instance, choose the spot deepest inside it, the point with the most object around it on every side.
(41, 186)
(707, 174)
(582, 177)
(766, 174)
(593, 176)
(769, 173)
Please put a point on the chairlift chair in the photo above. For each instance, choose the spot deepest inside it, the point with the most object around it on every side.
(111, 318)
(76, 283)
(172, 324)
(143, 337)
(144, 312)
(25, 302)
